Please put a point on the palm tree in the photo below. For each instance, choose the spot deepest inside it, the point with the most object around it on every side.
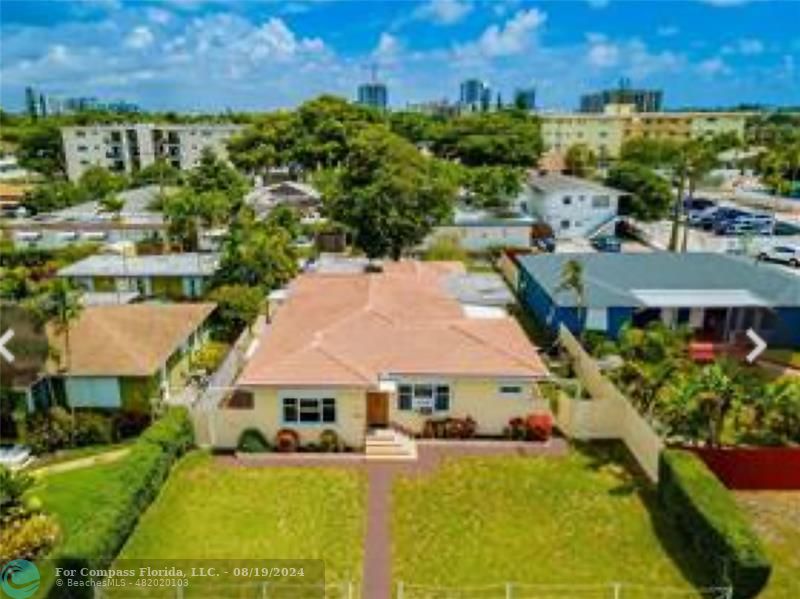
(572, 281)
(720, 388)
(695, 159)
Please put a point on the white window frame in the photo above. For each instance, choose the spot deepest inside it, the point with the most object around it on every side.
(318, 396)
(510, 389)
(420, 402)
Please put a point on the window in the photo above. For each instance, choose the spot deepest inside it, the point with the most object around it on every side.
(309, 410)
(405, 394)
(83, 148)
(601, 202)
(565, 224)
(423, 396)
(442, 401)
(510, 389)
(240, 400)
(566, 200)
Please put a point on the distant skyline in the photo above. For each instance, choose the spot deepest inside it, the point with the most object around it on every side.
(193, 55)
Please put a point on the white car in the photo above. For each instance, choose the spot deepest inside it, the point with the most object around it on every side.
(788, 254)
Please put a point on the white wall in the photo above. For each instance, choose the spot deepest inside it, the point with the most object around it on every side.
(571, 213)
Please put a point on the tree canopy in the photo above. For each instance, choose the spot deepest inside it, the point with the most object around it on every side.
(651, 194)
(389, 194)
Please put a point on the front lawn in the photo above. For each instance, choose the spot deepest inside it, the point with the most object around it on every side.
(211, 510)
(776, 519)
(75, 496)
(581, 519)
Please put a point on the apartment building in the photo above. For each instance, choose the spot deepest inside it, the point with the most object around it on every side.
(128, 148)
(606, 132)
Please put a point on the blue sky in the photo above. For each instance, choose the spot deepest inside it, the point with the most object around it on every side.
(196, 55)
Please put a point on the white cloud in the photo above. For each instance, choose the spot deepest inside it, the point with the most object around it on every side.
(511, 38)
(443, 12)
(712, 67)
(602, 53)
(139, 38)
(750, 46)
(388, 46)
(158, 16)
(598, 3)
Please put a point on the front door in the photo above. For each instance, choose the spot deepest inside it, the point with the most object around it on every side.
(377, 408)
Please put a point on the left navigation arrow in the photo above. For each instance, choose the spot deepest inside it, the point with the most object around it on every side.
(5, 338)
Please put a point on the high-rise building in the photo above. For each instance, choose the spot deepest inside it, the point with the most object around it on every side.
(525, 98)
(644, 100)
(373, 94)
(475, 94)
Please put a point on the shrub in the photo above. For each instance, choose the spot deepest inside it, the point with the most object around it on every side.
(13, 486)
(129, 424)
(49, 430)
(210, 356)
(329, 440)
(287, 440)
(92, 428)
(706, 514)
(538, 427)
(143, 472)
(450, 428)
(252, 441)
(515, 429)
(29, 536)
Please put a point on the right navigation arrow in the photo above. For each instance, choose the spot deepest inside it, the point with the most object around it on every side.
(760, 346)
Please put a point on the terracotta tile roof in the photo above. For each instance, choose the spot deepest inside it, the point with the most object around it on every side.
(352, 329)
(128, 340)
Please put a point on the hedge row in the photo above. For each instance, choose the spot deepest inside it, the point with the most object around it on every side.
(707, 515)
(143, 472)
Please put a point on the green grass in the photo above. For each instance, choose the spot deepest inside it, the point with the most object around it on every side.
(209, 510)
(581, 519)
(775, 517)
(68, 455)
(74, 496)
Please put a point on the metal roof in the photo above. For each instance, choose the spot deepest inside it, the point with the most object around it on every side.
(164, 265)
(636, 279)
(698, 298)
(558, 183)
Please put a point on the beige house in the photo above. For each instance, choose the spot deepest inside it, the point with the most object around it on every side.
(359, 352)
(605, 132)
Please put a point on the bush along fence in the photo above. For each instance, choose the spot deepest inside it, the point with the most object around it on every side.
(144, 471)
(609, 415)
(712, 524)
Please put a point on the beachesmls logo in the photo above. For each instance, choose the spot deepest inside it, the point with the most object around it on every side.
(19, 579)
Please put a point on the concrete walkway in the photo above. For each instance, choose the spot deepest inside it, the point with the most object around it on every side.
(92, 460)
(377, 574)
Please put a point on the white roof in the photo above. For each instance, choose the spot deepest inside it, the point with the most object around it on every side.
(698, 298)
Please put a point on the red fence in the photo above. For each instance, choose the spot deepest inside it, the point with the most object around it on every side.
(759, 468)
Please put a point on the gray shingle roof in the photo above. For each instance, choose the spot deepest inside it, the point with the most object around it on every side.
(609, 279)
(558, 183)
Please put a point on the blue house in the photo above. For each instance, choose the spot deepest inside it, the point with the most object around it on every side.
(718, 296)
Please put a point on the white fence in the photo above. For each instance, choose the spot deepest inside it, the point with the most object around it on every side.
(243, 590)
(517, 590)
(609, 414)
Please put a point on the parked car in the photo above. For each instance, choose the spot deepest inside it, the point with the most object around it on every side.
(756, 224)
(607, 243)
(697, 218)
(545, 244)
(713, 215)
(698, 204)
(787, 254)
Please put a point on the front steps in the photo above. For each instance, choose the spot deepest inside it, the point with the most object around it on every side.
(385, 444)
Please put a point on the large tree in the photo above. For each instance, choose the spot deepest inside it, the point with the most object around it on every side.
(580, 160)
(492, 187)
(187, 211)
(506, 137)
(266, 144)
(389, 194)
(256, 254)
(216, 175)
(98, 182)
(650, 194)
(40, 149)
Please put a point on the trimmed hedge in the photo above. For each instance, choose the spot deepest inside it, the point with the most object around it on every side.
(712, 523)
(143, 472)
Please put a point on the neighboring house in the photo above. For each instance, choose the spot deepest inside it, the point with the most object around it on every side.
(479, 230)
(302, 196)
(718, 296)
(356, 351)
(88, 222)
(171, 276)
(127, 148)
(128, 357)
(572, 207)
(10, 170)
